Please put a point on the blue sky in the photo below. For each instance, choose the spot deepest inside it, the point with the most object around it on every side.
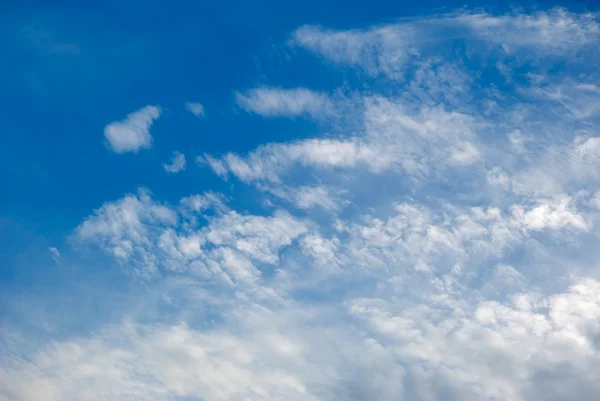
(309, 201)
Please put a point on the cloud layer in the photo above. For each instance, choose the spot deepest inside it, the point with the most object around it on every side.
(436, 242)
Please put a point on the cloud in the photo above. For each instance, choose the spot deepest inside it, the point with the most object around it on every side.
(556, 30)
(196, 109)
(133, 133)
(269, 161)
(277, 102)
(201, 203)
(436, 242)
(392, 137)
(122, 228)
(307, 197)
(554, 214)
(55, 254)
(130, 360)
(389, 50)
(275, 346)
(576, 98)
(177, 163)
(381, 50)
(140, 232)
(536, 338)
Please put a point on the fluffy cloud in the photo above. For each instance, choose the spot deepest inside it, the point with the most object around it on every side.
(551, 215)
(133, 133)
(518, 350)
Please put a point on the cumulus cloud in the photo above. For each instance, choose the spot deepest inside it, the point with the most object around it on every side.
(133, 133)
(177, 163)
(554, 214)
(277, 102)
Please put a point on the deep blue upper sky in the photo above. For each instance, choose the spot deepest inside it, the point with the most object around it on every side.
(69, 67)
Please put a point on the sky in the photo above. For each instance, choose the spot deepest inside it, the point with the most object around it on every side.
(310, 201)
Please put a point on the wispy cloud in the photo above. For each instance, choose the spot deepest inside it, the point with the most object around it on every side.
(381, 50)
(55, 253)
(177, 163)
(557, 30)
(393, 137)
(388, 50)
(277, 102)
(133, 133)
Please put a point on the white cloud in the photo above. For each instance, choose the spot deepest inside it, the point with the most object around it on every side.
(277, 102)
(309, 197)
(177, 163)
(381, 50)
(267, 162)
(388, 49)
(133, 133)
(588, 147)
(579, 99)
(393, 138)
(553, 214)
(123, 228)
(559, 168)
(258, 237)
(517, 141)
(138, 231)
(524, 350)
(438, 242)
(200, 203)
(465, 154)
(272, 356)
(56, 256)
(196, 109)
(498, 178)
(215, 164)
(556, 30)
